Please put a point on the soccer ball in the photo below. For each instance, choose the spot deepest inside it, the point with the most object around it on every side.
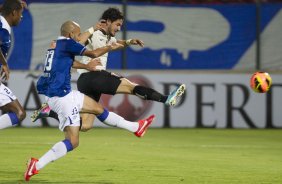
(260, 82)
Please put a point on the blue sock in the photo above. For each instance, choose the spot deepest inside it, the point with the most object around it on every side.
(103, 116)
(68, 145)
(14, 118)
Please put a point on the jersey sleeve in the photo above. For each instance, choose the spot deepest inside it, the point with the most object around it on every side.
(75, 48)
(5, 41)
(112, 40)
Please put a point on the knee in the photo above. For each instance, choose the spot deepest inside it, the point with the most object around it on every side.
(126, 86)
(98, 109)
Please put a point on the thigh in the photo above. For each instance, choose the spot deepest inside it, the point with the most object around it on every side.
(98, 82)
(91, 106)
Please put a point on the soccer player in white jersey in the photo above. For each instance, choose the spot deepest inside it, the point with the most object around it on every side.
(11, 14)
(95, 83)
(54, 84)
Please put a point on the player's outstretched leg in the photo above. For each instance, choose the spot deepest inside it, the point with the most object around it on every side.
(112, 119)
(175, 95)
(59, 150)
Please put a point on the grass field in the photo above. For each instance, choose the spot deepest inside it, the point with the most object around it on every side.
(163, 156)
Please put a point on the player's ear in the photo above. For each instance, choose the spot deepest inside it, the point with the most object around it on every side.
(71, 35)
(108, 21)
(14, 12)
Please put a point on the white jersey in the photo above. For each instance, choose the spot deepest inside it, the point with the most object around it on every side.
(6, 95)
(97, 40)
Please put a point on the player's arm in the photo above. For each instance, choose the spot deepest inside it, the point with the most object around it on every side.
(101, 51)
(84, 36)
(91, 66)
(5, 72)
(131, 42)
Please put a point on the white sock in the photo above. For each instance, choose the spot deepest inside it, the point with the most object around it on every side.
(5, 121)
(115, 120)
(57, 151)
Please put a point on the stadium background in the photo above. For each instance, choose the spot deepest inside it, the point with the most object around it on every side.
(211, 46)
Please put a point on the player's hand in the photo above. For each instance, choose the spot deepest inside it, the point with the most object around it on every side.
(53, 44)
(100, 25)
(5, 73)
(116, 46)
(137, 42)
(91, 66)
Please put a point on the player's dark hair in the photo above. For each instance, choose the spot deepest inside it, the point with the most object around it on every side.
(112, 14)
(10, 5)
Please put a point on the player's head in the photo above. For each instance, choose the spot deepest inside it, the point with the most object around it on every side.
(71, 29)
(12, 10)
(114, 20)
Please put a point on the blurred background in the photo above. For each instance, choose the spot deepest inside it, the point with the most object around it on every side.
(212, 46)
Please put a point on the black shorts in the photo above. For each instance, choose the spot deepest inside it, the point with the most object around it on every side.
(95, 83)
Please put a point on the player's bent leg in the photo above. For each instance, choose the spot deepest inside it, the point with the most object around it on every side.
(17, 108)
(15, 114)
(59, 150)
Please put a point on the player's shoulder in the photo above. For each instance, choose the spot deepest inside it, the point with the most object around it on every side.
(5, 26)
(4, 35)
(4, 32)
(99, 34)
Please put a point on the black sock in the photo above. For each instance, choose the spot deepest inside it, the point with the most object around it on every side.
(149, 94)
(54, 115)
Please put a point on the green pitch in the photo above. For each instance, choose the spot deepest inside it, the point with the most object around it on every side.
(163, 156)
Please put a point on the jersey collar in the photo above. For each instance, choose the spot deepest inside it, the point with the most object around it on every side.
(62, 37)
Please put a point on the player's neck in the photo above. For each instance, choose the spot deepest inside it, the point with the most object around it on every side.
(103, 31)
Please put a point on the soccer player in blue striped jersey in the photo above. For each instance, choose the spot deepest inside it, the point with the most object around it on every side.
(11, 14)
(54, 84)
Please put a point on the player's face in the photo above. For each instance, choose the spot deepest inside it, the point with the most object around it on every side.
(17, 17)
(76, 34)
(115, 27)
